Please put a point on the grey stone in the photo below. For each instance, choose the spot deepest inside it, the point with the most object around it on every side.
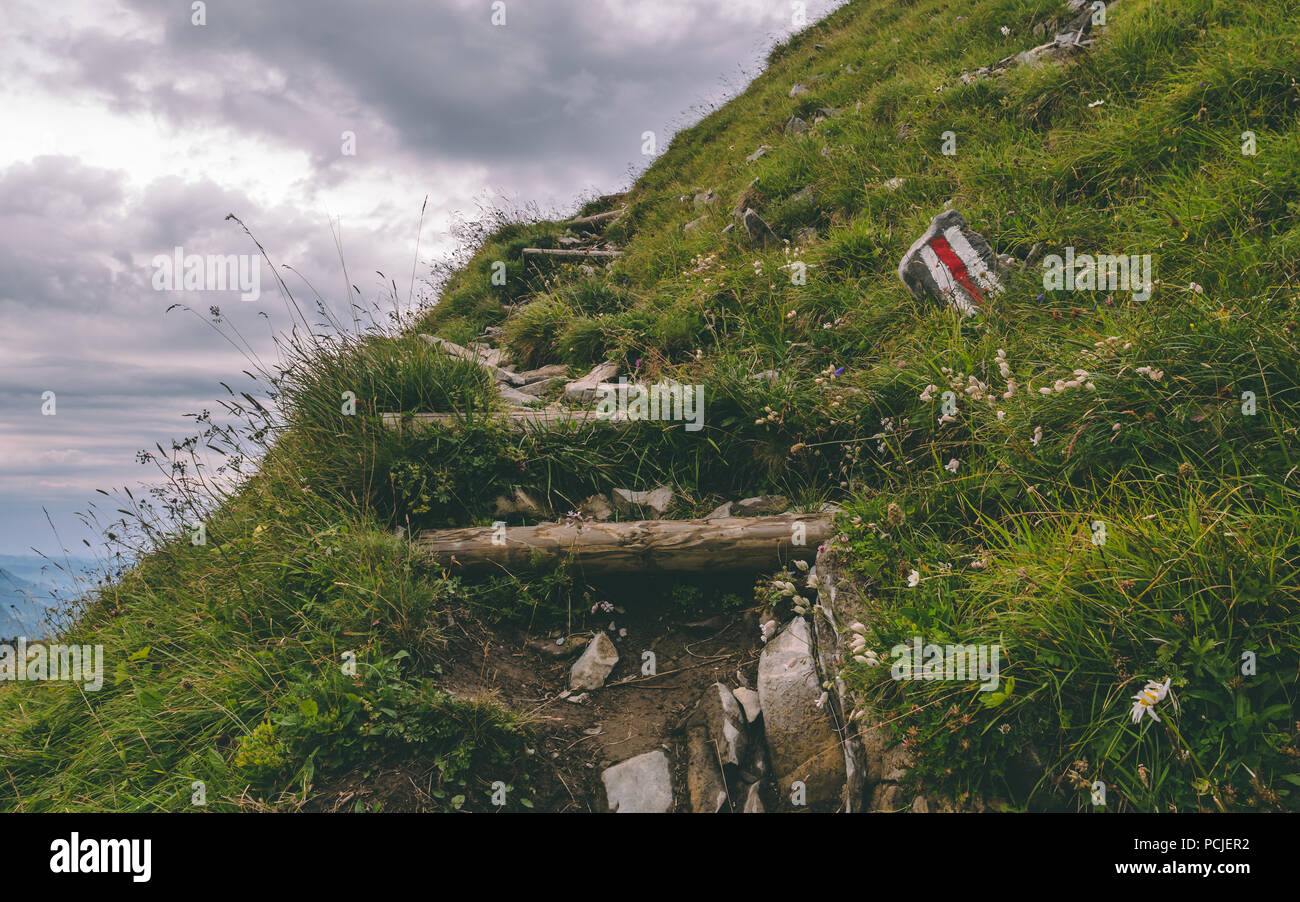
(695, 224)
(888, 797)
(801, 739)
(754, 800)
(705, 199)
(535, 390)
(722, 510)
(596, 508)
(964, 286)
(550, 371)
(632, 504)
(640, 785)
(760, 506)
(595, 665)
(759, 231)
(721, 713)
(795, 126)
(584, 390)
(753, 157)
(749, 703)
(706, 790)
(522, 503)
(515, 396)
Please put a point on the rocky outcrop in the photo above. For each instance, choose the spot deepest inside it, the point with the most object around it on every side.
(802, 741)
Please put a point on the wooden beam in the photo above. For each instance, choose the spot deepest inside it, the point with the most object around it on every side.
(569, 253)
(598, 217)
(720, 544)
(546, 418)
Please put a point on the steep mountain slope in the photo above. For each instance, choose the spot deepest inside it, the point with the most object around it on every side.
(1108, 493)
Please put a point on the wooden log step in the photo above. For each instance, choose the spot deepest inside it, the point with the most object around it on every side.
(597, 217)
(519, 420)
(720, 544)
(569, 253)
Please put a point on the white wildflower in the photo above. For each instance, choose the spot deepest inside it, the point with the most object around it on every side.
(1148, 698)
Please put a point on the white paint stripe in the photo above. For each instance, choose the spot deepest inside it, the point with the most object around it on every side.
(944, 279)
(974, 262)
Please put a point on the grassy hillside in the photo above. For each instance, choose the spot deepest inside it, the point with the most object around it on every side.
(226, 657)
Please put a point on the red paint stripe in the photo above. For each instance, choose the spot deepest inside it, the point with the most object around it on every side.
(943, 250)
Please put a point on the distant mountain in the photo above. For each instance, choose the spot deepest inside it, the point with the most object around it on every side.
(29, 586)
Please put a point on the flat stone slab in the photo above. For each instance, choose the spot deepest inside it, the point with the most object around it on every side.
(801, 739)
(654, 502)
(951, 263)
(583, 390)
(591, 670)
(640, 785)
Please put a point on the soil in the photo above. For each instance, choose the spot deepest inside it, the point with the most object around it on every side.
(577, 735)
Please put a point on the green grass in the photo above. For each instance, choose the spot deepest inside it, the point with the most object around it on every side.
(1198, 499)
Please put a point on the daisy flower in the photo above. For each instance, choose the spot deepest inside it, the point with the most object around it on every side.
(1148, 698)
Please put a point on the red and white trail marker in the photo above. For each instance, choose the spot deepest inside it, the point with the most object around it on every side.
(951, 263)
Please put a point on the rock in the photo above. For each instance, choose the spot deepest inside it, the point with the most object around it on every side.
(748, 197)
(722, 510)
(753, 157)
(596, 508)
(515, 396)
(705, 788)
(884, 760)
(828, 112)
(801, 739)
(795, 126)
(721, 713)
(754, 800)
(759, 232)
(748, 699)
(584, 390)
(887, 797)
(798, 89)
(695, 224)
(951, 263)
(634, 504)
(591, 670)
(640, 785)
(535, 390)
(498, 374)
(705, 199)
(760, 506)
(551, 371)
(522, 503)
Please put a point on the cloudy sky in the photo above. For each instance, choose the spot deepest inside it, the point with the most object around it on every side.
(131, 129)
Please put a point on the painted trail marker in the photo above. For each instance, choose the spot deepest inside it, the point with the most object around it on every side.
(951, 263)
